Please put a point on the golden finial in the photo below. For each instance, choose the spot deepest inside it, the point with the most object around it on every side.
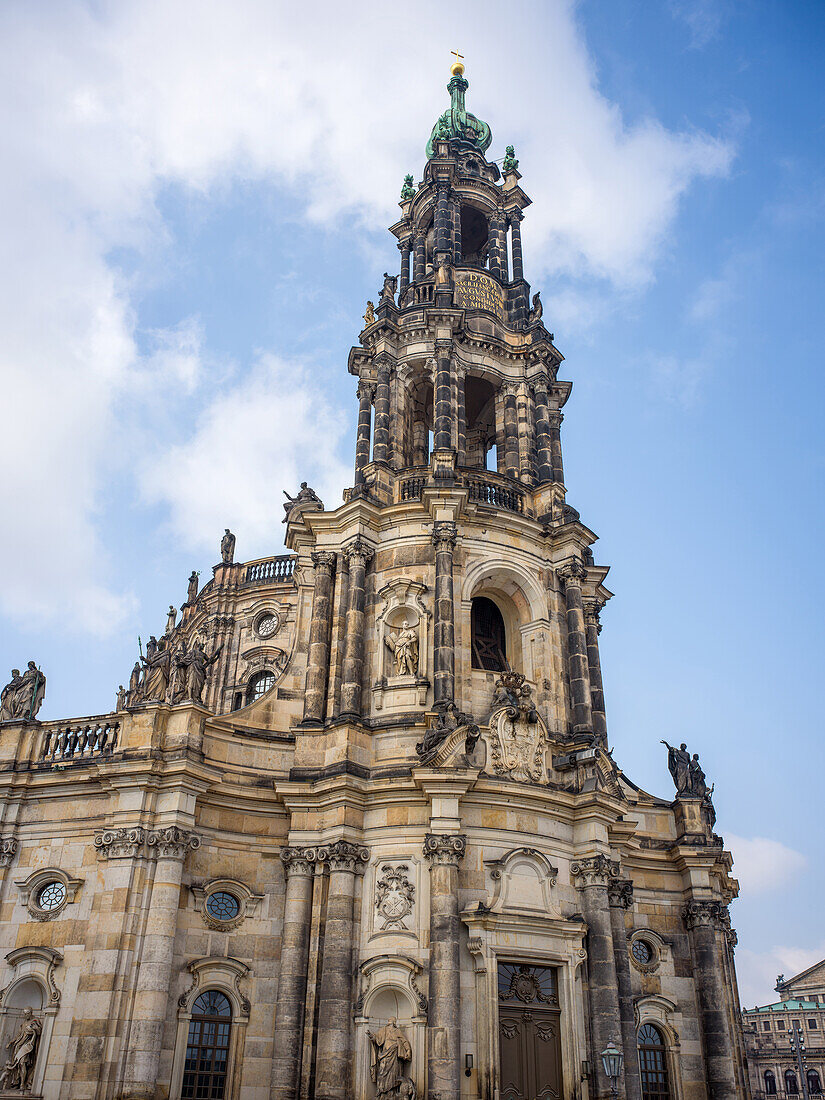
(457, 67)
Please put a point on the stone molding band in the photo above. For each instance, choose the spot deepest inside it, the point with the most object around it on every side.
(171, 842)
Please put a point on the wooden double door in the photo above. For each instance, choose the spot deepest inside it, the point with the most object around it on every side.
(529, 1032)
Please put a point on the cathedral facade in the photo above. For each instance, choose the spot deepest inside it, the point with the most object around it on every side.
(354, 828)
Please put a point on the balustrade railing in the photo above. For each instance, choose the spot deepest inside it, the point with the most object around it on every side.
(271, 570)
(80, 739)
(412, 488)
(499, 496)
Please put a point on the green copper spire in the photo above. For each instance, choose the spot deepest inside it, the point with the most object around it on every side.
(457, 124)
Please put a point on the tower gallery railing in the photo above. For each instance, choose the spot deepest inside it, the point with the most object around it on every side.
(80, 738)
(482, 490)
(270, 570)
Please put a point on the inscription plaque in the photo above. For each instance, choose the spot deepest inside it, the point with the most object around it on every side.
(475, 290)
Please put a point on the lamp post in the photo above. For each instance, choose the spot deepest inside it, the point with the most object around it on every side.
(612, 1060)
(797, 1042)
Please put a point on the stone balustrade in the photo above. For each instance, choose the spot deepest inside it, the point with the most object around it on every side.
(80, 739)
(484, 491)
(276, 570)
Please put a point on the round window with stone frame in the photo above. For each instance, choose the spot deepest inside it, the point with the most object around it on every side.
(223, 906)
(644, 954)
(267, 624)
(51, 896)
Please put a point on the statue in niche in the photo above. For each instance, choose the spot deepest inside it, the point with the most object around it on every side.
(369, 315)
(389, 1049)
(305, 500)
(192, 591)
(538, 308)
(195, 665)
(388, 289)
(404, 645)
(227, 547)
(19, 1069)
(23, 696)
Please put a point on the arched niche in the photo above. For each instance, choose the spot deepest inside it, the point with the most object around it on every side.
(31, 987)
(402, 608)
(390, 986)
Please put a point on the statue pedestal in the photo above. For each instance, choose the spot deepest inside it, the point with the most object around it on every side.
(401, 693)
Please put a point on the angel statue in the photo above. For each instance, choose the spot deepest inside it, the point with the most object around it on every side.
(389, 1048)
(404, 645)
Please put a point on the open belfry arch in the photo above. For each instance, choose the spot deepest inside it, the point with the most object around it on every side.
(354, 829)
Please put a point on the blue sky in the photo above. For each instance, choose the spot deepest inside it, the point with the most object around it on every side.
(194, 221)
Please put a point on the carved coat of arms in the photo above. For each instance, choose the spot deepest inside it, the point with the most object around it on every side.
(394, 896)
(518, 739)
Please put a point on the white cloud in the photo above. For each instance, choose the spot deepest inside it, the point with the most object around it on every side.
(756, 971)
(761, 864)
(102, 104)
(251, 441)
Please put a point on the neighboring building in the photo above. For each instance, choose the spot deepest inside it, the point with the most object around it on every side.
(355, 829)
(773, 1067)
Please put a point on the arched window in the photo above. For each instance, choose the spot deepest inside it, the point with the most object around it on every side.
(653, 1064)
(770, 1083)
(791, 1083)
(814, 1083)
(487, 628)
(207, 1048)
(259, 685)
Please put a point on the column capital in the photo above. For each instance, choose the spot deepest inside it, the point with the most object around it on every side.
(8, 850)
(595, 870)
(514, 217)
(510, 389)
(358, 548)
(555, 418)
(620, 893)
(366, 389)
(299, 861)
(384, 364)
(444, 850)
(539, 383)
(444, 536)
(343, 856)
(592, 610)
(572, 572)
(323, 559)
(443, 346)
(405, 242)
(706, 913)
(172, 842)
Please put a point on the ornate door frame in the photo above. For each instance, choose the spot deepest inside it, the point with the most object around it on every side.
(497, 937)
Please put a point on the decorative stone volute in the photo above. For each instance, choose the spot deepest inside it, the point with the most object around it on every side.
(445, 849)
(343, 856)
(299, 861)
(620, 893)
(706, 913)
(595, 870)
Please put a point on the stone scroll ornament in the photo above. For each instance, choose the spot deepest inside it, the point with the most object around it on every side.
(389, 1050)
(518, 740)
(23, 696)
(19, 1067)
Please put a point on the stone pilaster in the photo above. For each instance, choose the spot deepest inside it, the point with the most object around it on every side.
(404, 281)
(381, 436)
(573, 573)
(443, 419)
(366, 392)
(708, 922)
(515, 219)
(358, 554)
(168, 847)
(419, 256)
(333, 1066)
(620, 898)
(461, 378)
(544, 454)
(444, 540)
(319, 639)
(299, 870)
(592, 876)
(511, 464)
(498, 247)
(442, 223)
(593, 629)
(525, 435)
(455, 212)
(444, 854)
(555, 419)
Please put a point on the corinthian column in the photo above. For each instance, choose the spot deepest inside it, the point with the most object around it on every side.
(573, 573)
(620, 897)
(151, 1002)
(358, 554)
(591, 876)
(444, 540)
(555, 419)
(334, 1059)
(319, 638)
(299, 868)
(381, 440)
(366, 390)
(706, 921)
(443, 406)
(544, 454)
(444, 854)
(510, 430)
(593, 629)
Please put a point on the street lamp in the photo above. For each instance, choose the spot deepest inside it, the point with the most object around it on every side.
(797, 1042)
(612, 1059)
